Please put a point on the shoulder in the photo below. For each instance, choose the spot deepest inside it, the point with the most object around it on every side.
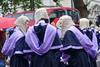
(9, 31)
(69, 32)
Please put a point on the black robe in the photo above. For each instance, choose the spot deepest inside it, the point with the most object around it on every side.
(78, 56)
(52, 57)
(19, 59)
(89, 33)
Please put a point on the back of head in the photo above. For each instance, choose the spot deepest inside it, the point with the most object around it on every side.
(41, 14)
(84, 23)
(21, 23)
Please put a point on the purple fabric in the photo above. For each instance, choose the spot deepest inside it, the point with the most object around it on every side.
(9, 45)
(32, 40)
(85, 41)
(94, 40)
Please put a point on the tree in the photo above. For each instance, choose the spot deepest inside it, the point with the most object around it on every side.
(5, 7)
(28, 4)
(79, 4)
(32, 4)
(12, 5)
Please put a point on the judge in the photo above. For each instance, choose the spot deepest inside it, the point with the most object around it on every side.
(91, 33)
(76, 45)
(13, 46)
(44, 41)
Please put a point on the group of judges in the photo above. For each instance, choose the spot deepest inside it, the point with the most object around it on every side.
(43, 45)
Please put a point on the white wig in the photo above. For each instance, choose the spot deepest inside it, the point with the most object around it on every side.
(21, 23)
(67, 22)
(41, 13)
(84, 23)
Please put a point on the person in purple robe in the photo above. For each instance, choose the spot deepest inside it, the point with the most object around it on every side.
(13, 46)
(76, 45)
(44, 42)
(91, 33)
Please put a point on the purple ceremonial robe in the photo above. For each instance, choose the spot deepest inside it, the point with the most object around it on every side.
(32, 39)
(85, 41)
(9, 45)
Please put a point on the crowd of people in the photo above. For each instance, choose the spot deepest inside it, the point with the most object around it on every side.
(43, 45)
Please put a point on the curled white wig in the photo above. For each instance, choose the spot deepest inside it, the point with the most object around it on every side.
(21, 23)
(84, 23)
(41, 13)
(67, 22)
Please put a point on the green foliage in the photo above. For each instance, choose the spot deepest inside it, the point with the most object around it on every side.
(4, 6)
(12, 5)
